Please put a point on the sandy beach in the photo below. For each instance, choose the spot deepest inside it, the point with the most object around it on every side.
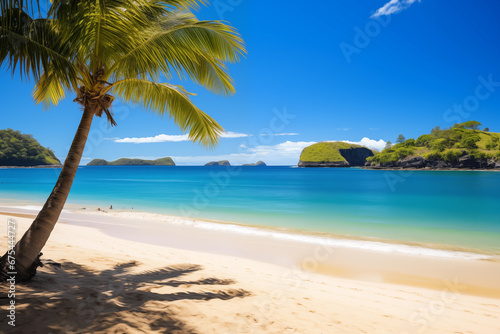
(123, 272)
(248, 167)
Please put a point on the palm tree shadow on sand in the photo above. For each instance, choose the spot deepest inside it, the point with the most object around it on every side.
(71, 298)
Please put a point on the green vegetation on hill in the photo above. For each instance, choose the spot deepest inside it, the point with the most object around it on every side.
(133, 162)
(259, 163)
(325, 151)
(17, 149)
(218, 163)
(445, 145)
(98, 162)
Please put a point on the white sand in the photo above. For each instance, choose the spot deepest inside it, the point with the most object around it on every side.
(122, 273)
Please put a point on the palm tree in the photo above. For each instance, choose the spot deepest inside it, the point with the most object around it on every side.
(114, 48)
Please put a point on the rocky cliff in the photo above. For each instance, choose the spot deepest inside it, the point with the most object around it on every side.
(462, 146)
(334, 154)
(418, 162)
(356, 156)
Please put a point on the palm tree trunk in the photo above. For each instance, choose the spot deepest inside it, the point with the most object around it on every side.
(27, 250)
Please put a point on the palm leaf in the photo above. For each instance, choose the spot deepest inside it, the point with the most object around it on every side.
(181, 44)
(48, 90)
(164, 98)
(135, 43)
(32, 46)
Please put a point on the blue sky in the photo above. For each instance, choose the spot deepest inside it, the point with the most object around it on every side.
(335, 70)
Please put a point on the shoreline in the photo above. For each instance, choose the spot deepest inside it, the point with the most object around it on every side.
(281, 233)
(450, 169)
(36, 166)
(342, 258)
(97, 281)
(432, 169)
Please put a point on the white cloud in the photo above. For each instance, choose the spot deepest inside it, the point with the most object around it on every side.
(343, 129)
(286, 153)
(288, 148)
(286, 134)
(370, 143)
(230, 134)
(393, 7)
(170, 138)
(156, 139)
(178, 138)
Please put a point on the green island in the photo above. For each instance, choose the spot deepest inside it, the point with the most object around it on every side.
(461, 146)
(334, 154)
(133, 162)
(259, 163)
(22, 150)
(218, 163)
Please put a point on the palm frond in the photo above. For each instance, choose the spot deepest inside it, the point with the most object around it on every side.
(48, 90)
(181, 4)
(32, 46)
(164, 98)
(84, 46)
(181, 44)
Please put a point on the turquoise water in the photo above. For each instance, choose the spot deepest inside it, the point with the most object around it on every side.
(453, 207)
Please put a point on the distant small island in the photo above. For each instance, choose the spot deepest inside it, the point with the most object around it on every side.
(257, 164)
(133, 162)
(22, 150)
(463, 146)
(218, 163)
(334, 154)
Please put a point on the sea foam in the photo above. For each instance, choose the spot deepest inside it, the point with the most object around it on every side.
(378, 246)
(337, 242)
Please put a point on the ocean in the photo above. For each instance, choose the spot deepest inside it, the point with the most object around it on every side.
(452, 209)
